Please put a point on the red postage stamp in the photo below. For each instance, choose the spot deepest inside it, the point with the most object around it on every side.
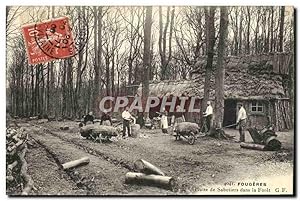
(49, 40)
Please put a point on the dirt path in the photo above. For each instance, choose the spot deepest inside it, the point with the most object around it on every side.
(209, 162)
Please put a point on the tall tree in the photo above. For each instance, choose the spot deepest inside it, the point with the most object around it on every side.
(281, 29)
(220, 69)
(162, 43)
(98, 55)
(210, 41)
(147, 54)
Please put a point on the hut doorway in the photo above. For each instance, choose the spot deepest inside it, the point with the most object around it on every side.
(229, 112)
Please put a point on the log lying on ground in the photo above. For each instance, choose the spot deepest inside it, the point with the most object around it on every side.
(75, 163)
(253, 146)
(155, 180)
(147, 168)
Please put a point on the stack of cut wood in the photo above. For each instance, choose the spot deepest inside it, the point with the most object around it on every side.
(148, 174)
(263, 140)
(16, 165)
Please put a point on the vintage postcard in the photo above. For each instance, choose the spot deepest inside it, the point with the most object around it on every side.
(150, 100)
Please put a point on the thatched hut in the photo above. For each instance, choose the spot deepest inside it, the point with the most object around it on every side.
(260, 82)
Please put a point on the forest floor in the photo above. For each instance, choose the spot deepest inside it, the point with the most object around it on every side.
(208, 163)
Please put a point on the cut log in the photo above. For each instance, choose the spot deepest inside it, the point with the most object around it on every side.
(10, 133)
(272, 144)
(11, 166)
(155, 180)
(9, 149)
(147, 168)
(71, 164)
(253, 146)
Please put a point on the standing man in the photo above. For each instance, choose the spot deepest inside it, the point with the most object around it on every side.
(241, 121)
(208, 116)
(126, 122)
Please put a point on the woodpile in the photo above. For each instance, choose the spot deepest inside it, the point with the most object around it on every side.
(16, 165)
(149, 174)
(283, 115)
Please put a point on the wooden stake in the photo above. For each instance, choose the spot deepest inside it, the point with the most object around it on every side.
(71, 164)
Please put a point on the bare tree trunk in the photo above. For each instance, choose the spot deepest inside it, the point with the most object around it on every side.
(210, 40)
(271, 31)
(256, 30)
(220, 69)
(241, 16)
(98, 55)
(146, 55)
(280, 45)
(248, 30)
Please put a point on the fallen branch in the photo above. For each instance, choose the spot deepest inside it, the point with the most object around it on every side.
(147, 168)
(71, 164)
(156, 180)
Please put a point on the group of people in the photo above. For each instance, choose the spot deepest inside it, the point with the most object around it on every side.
(106, 120)
(240, 122)
(177, 117)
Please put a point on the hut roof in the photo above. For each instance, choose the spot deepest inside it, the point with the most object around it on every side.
(248, 77)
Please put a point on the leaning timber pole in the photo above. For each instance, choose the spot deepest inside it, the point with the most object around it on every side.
(146, 56)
